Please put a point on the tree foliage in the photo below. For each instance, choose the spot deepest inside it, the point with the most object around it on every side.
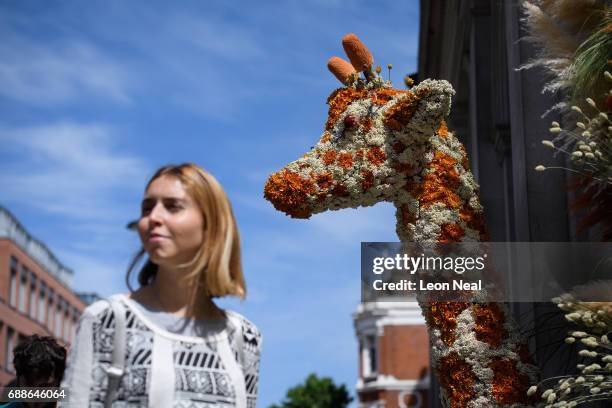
(316, 392)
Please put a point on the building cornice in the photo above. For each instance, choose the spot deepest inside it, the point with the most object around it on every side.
(390, 383)
(372, 317)
(11, 228)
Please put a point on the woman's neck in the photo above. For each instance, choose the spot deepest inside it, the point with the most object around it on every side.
(173, 294)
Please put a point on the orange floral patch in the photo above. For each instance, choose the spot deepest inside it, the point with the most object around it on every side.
(457, 378)
(367, 179)
(509, 385)
(329, 157)
(339, 100)
(340, 190)
(325, 138)
(398, 115)
(441, 184)
(443, 316)
(359, 154)
(324, 180)
(450, 233)
(366, 124)
(475, 221)
(289, 192)
(376, 156)
(490, 321)
(345, 160)
(442, 130)
(384, 95)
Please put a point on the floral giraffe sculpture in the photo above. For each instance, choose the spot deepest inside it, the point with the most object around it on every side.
(385, 144)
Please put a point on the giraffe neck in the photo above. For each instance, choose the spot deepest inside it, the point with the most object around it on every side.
(477, 351)
(442, 203)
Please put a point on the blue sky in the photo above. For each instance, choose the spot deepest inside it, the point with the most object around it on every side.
(94, 96)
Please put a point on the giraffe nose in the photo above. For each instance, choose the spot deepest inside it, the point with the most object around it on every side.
(290, 193)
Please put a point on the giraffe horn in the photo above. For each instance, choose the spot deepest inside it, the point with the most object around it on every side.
(341, 69)
(360, 56)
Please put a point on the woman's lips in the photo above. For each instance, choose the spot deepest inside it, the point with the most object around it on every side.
(156, 238)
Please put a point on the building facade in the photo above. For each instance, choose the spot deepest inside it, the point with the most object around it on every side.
(393, 355)
(35, 294)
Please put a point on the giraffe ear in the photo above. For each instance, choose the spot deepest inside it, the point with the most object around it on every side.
(358, 53)
(342, 70)
(422, 108)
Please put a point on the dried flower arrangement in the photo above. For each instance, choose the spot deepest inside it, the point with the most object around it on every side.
(594, 383)
(574, 41)
(574, 38)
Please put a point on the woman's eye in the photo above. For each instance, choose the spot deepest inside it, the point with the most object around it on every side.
(173, 207)
(145, 210)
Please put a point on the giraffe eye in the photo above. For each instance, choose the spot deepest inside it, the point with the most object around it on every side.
(351, 122)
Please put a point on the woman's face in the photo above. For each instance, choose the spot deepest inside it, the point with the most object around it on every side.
(171, 224)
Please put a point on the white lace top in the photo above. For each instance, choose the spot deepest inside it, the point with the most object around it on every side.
(218, 367)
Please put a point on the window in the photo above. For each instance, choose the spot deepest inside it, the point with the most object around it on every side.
(41, 302)
(58, 318)
(9, 350)
(13, 283)
(369, 352)
(22, 289)
(50, 310)
(33, 296)
(66, 334)
(73, 329)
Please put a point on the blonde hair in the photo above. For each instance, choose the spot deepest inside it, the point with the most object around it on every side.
(217, 267)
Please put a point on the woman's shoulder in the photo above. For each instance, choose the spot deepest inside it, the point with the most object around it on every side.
(100, 307)
(240, 324)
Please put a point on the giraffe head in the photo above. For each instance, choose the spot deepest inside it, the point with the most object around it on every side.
(375, 141)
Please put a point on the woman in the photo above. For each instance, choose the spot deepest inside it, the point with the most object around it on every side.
(179, 348)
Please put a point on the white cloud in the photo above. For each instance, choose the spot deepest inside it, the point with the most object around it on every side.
(54, 73)
(70, 169)
(215, 36)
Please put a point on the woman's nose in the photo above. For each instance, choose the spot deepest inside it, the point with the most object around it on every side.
(157, 213)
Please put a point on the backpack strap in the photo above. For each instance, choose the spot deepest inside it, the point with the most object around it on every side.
(117, 368)
(239, 340)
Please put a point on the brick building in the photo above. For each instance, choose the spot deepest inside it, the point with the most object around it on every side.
(35, 294)
(393, 356)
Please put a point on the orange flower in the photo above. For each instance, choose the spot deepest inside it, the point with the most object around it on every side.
(324, 180)
(339, 100)
(329, 157)
(289, 192)
(441, 184)
(450, 233)
(509, 384)
(443, 316)
(345, 160)
(376, 156)
(458, 378)
(489, 324)
(442, 130)
(398, 115)
(367, 179)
